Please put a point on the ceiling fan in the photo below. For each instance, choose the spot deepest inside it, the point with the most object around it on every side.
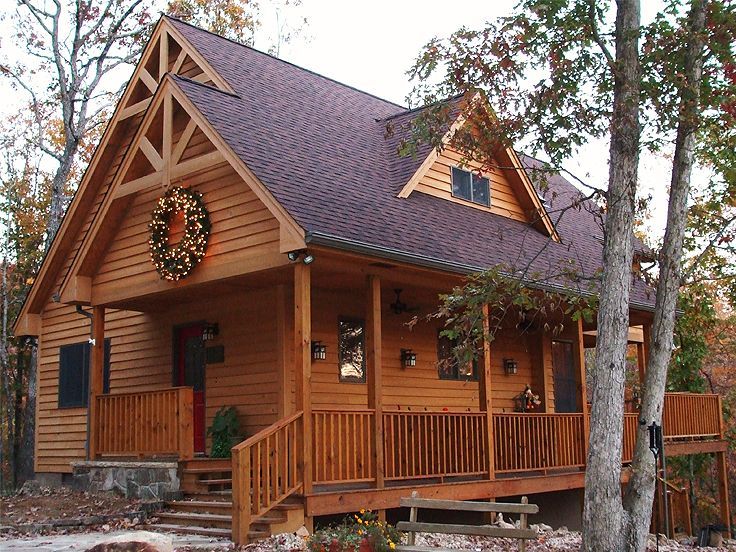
(398, 306)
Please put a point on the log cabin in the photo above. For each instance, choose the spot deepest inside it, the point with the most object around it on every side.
(246, 235)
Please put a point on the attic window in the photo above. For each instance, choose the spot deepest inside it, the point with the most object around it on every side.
(471, 187)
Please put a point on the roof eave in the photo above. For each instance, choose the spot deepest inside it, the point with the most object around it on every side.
(388, 253)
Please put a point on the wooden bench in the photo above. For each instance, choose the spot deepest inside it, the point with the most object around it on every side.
(413, 526)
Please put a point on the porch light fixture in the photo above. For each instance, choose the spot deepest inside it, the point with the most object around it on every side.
(307, 258)
(510, 366)
(210, 331)
(319, 350)
(408, 358)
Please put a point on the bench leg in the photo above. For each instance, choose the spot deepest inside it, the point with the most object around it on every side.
(522, 525)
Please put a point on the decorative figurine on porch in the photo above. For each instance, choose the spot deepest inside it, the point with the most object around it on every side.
(527, 401)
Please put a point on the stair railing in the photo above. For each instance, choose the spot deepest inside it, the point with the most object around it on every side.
(266, 471)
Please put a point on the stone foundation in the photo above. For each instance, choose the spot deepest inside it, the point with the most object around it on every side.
(144, 480)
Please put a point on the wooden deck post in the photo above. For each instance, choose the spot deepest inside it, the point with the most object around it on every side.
(96, 368)
(723, 490)
(303, 369)
(185, 431)
(485, 396)
(374, 366)
(583, 389)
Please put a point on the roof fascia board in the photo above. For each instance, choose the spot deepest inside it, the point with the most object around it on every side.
(198, 58)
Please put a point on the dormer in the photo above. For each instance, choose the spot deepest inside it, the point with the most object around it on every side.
(501, 187)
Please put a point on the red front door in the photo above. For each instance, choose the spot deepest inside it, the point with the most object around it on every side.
(190, 371)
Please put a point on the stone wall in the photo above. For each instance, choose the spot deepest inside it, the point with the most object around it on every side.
(144, 480)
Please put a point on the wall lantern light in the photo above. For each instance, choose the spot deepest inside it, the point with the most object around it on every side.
(510, 366)
(408, 358)
(319, 350)
(210, 331)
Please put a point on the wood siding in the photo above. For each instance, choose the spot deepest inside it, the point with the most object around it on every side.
(418, 387)
(438, 182)
(243, 229)
(141, 360)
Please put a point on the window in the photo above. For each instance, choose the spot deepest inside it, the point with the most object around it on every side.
(448, 367)
(468, 185)
(351, 350)
(74, 363)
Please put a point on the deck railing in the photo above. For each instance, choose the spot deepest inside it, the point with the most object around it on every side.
(266, 471)
(691, 415)
(148, 423)
(434, 444)
(343, 446)
(530, 442)
(631, 423)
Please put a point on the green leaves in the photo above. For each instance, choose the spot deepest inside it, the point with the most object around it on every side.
(225, 430)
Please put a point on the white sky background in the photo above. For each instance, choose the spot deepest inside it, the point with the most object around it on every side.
(370, 45)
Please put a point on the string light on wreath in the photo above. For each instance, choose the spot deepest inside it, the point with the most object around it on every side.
(174, 262)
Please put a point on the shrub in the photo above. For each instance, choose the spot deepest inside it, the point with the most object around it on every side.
(360, 533)
(224, 430)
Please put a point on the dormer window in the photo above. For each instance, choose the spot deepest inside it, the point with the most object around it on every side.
(470, 187)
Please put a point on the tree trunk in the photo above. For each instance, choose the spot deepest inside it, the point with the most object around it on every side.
(58, 193)
(603, 514)
(640, 492)
(7, 458)
(25, 467)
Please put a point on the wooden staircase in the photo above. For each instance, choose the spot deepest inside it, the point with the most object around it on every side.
(205, 507)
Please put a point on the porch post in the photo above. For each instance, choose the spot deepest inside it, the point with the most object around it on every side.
(583, 388)
(96, 367)
(303, 369)
(722, 469)
(374, 366)
(486, 396)
(642, 352)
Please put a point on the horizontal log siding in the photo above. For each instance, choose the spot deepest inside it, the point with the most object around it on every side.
(438, 182)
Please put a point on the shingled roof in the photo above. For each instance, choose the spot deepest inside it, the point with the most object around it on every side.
(322, 150)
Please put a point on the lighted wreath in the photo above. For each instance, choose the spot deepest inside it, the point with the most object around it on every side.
(175, 261)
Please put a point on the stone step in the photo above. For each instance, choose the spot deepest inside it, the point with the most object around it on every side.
(191, 530)
(196, 519)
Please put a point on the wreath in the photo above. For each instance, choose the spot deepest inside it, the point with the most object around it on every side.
(174, 262)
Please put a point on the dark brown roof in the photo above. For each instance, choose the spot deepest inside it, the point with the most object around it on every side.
(321, 148)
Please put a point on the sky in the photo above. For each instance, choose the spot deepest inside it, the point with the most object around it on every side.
(371, 45)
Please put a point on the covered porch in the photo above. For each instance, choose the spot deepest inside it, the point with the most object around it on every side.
(309, 432)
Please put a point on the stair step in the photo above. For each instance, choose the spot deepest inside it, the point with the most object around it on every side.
(209, 496)
(225, 481)
(289, 506)
(207, 470)
(270, 517)
(201, 505)
(192, 530)
(197, 519)
(258, 535)
(212, 464)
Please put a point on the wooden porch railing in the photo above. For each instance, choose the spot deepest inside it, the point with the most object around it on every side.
(343, 446)
(148, 423)
(528, 442)
(631, 423)
(266, 471)
(434, 444)
(691, 415)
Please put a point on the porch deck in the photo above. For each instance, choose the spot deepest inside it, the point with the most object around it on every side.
(349, 467)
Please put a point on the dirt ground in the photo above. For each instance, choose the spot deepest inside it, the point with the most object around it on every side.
(47, 504)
